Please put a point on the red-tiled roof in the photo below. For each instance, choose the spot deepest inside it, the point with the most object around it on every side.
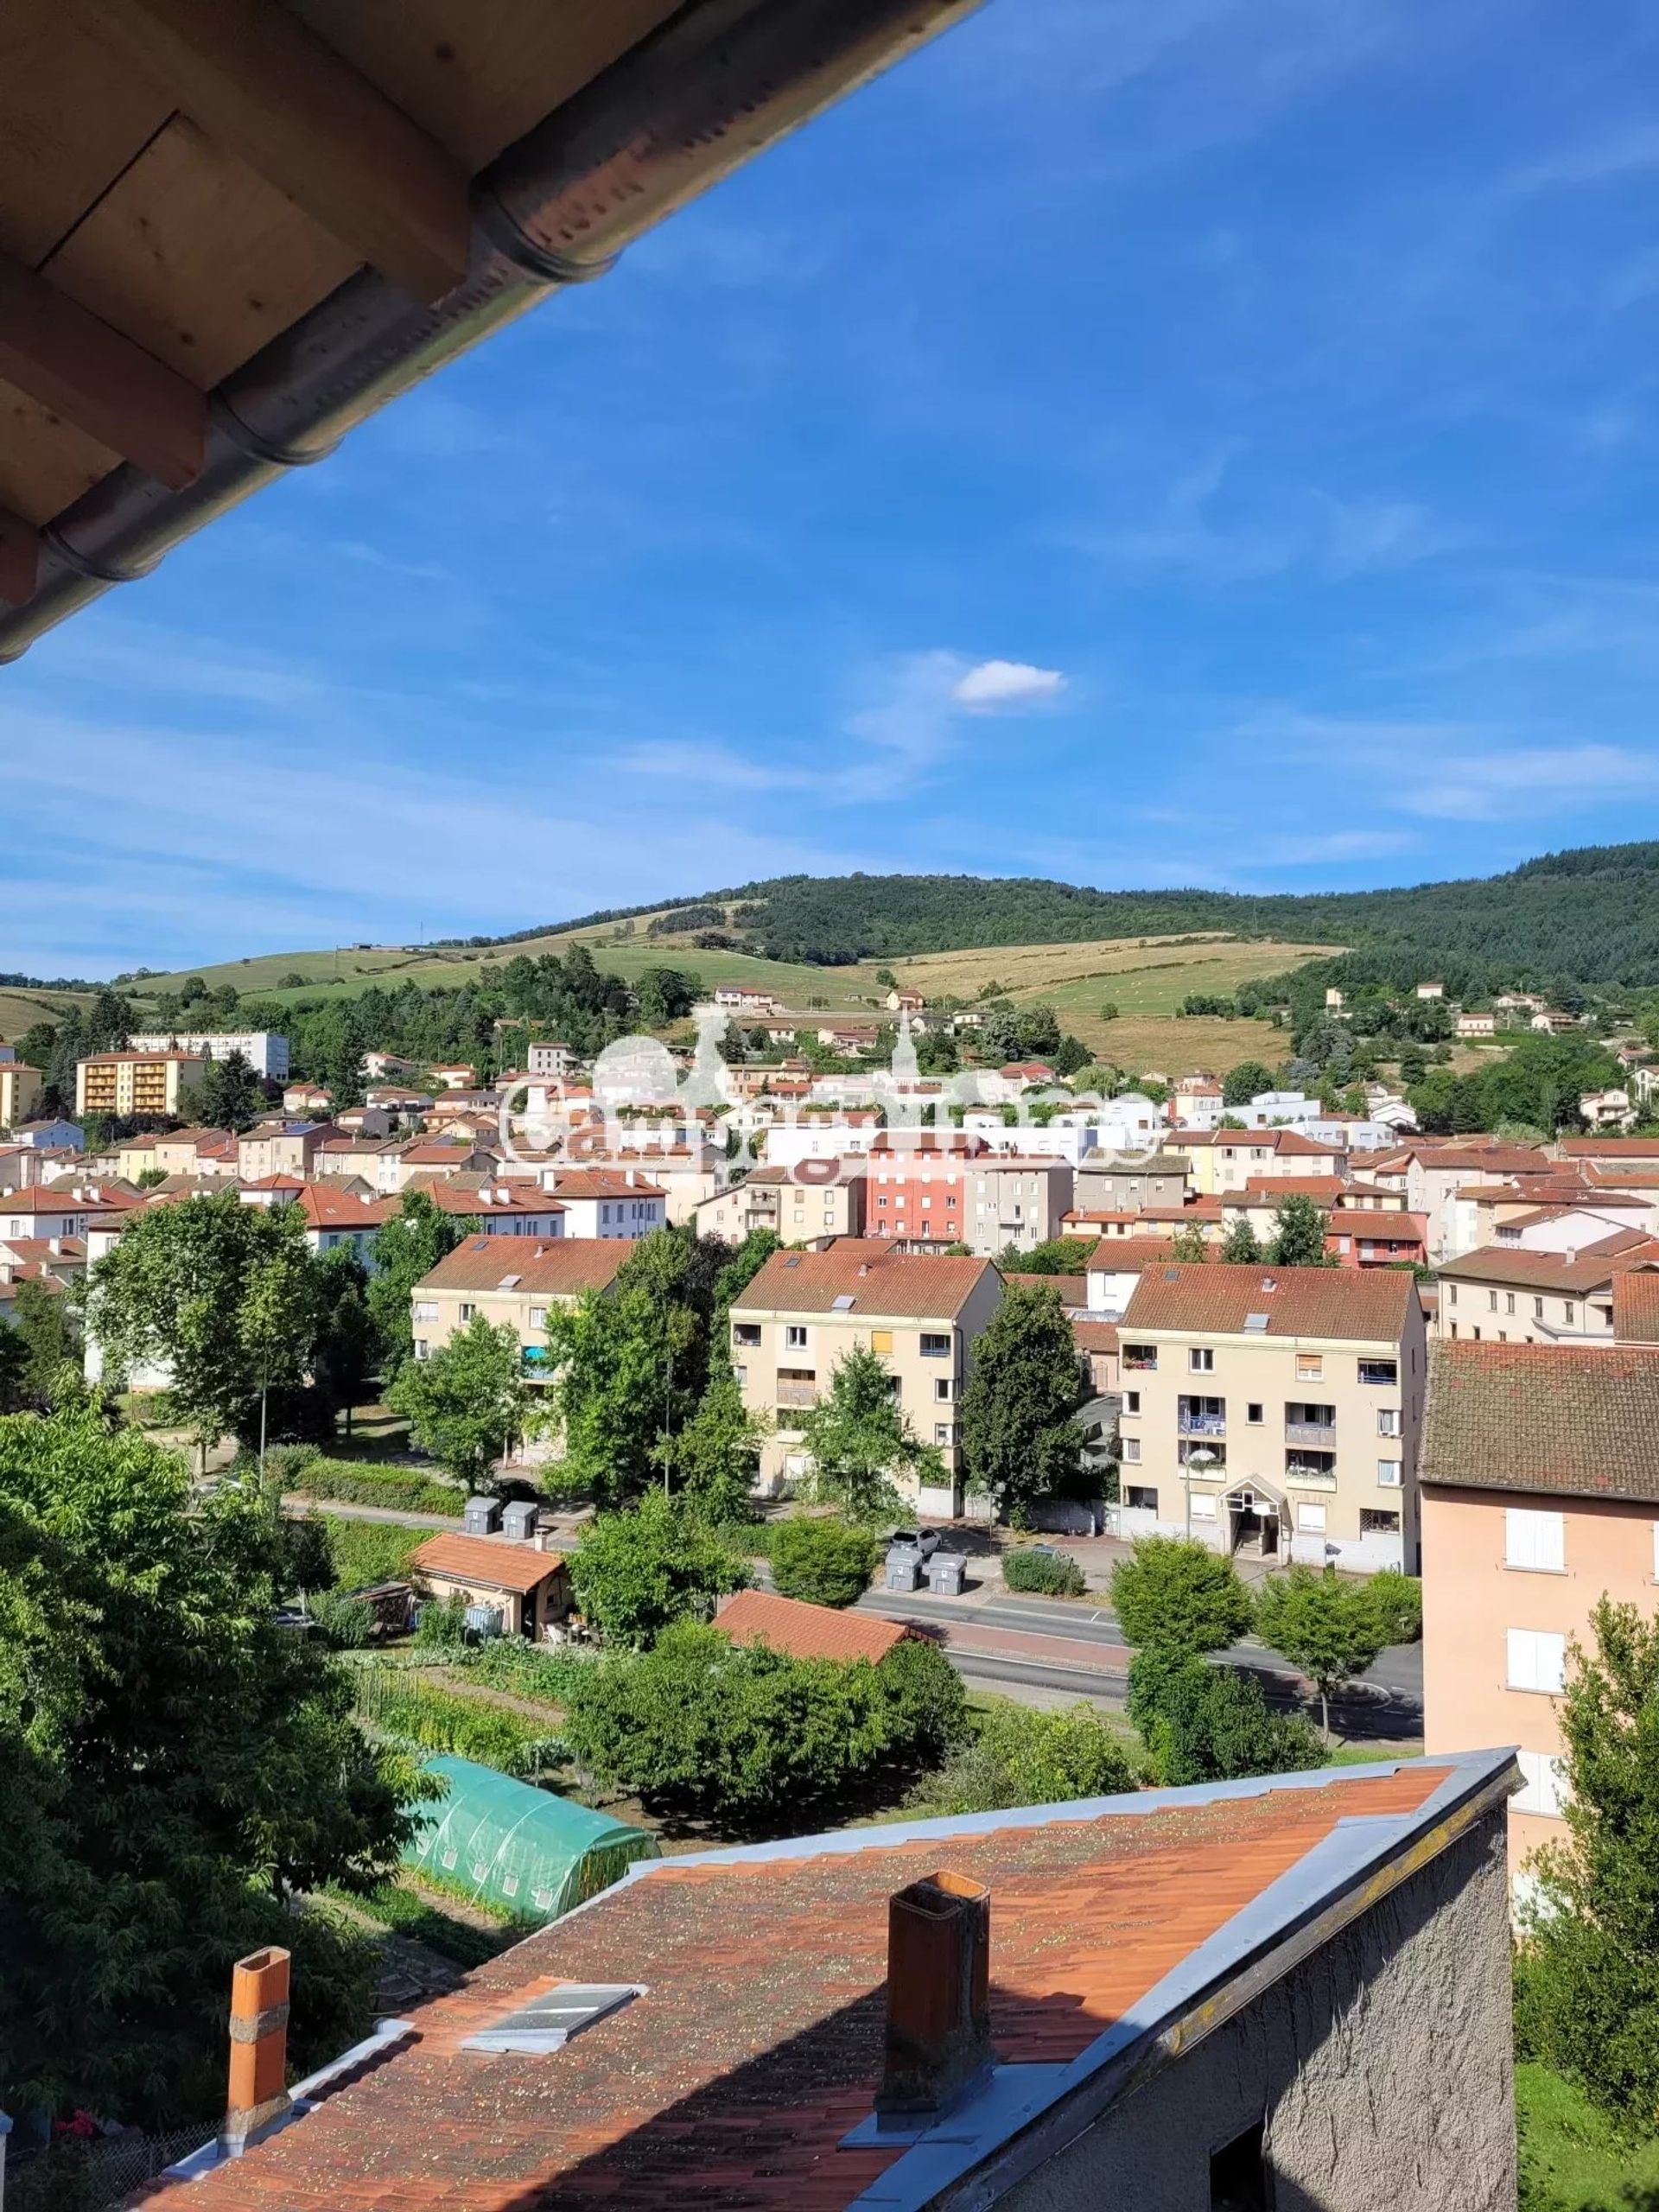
(1587, 1268)
(1610, 1148)
(482, 1202)
(1636, 1307)
(1073, 1289)
(1118, 1254)
(605, 1183)
(493, 1560)
(806, 1631)
(757, 2044)
(563, 1266)
(1273, 1190)
(868, 1273)
(1218, 1298)
(1581, 1420)
(1095, 1336)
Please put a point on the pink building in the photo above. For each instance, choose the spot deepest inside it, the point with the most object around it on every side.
(1539, 1491)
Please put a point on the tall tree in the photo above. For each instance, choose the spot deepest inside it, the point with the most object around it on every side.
(1245, 1082)
(638, 1572)
(859, 1437)
(173, 1765)
(1180, 1598)
(221, 1296)
(1240, 1245)
(1299, 1234)
(1589, 1983)
(229, 1096)
(409, 1246)
(1327, 1628)
(466, 1405)
(45, 1322)
(1016, 1422)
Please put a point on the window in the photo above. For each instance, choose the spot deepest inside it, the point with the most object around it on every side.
(1310, 1518)
(1535, 1543)
(942, 1432)
(1546, 1786)
(1310, 1367)
(538, 1317)
(1144, 1501)
(1376, 1521)
(941, 1387)
(1388, 1420)
(1451, 1293)
(425, 1309)
(935, 1345)
(745, 1332)
(1388, 1474)
(795, 1336)
(1140, 1359)
(423, 1350)
(1204, 1508)
(1537, 1309)
(881, 1339)
(1253, 1414)
(1201, 1360)
(740, 1374)
(1379, 1370)
(1569, 1312)
(1132, 1405)
(1491, 1302)
(1537, 1660)
(1130, 1447)
(468, 1313)
(1509, 1301)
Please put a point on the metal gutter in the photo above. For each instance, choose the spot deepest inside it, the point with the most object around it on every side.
(712, 87)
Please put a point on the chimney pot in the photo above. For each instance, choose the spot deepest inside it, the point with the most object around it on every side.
(259, 2100)
(938, 2028)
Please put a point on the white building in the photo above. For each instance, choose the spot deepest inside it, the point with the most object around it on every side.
(610, 1202)
(550, 1057)
(265, 1052)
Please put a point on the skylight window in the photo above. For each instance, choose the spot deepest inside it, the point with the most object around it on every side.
(548, 2022)
(844, 1300)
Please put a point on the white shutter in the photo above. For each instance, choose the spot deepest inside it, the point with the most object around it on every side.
(1546, 1789)
(1533, 1541)
(1537, 1660)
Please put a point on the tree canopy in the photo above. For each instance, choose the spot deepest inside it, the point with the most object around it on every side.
(408, 1246)
(1330, 1628)
(1299, 1234)
(466, 1405)
(1179, 1598)
(637, 1572)
(858, 1438)
(1016, 1420)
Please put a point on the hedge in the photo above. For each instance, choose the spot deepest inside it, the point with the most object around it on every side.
(825, 1562)
(363, 1552)
(353, 1482)
(1050, 1573)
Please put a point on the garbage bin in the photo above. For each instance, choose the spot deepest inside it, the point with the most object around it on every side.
(944, 1572)
(902, 1567)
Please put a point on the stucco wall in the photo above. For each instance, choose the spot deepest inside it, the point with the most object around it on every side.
(1381, 2068)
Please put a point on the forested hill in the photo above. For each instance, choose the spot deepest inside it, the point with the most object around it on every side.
(1591, 915)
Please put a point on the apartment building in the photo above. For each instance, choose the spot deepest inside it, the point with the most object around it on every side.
(1539, 1483)
(1131, 1186)
(148, 1082)
(1432, 1175)
(610, 1202)
(1274, 1411)
(265, 1052)
(930, 1196)
(20, 1086)
(805, 1310)
(795, 1206)
(1507, 1294)
(279, 1148)
(499, 1209)
(512, 1287)
(549, 1057)
(1226, 1160)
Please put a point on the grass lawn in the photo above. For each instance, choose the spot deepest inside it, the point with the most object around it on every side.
(1573, 2163)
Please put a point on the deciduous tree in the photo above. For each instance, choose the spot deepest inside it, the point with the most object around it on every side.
(1016, 1420)
(1180, 1599)
(859, 1437)
(1299, 1234)
(637, 1572)
(465, 1404)
(409, 1246)
(1327, 1628)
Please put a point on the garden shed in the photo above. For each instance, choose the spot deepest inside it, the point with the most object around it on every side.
(513, 1845)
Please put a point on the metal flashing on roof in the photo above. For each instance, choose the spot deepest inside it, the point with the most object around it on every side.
(548, 2023)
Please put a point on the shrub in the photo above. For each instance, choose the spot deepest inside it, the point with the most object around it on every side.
(352, 1482)
(346, 1622)
(925, 1698)
(508, 1663)
(1018, 1756)
(363, 1552)
(828, 1562)
(1048, 1572)
(442, 1623)
(1181, 1597)
(1396, 1602)
(1211, 1724)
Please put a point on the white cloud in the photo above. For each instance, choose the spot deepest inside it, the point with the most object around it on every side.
(997, 683)
(1529, 780)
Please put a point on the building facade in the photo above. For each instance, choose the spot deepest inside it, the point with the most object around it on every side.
(512, 1287)
(265, 1053)
(137, 1083)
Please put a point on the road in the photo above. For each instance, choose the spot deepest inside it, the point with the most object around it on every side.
(1076, 1647)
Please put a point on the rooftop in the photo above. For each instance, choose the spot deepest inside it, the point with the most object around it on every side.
(754, 2046)
(1636, 1307)
(1574, 1420)
(1610, 1148)
(804, 1631)
(864, 1275)
(564, 1266)
(500, 1561)
(1587, 1268)
(1365, 1307)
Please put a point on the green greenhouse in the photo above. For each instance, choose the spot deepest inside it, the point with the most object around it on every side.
(512, 1846)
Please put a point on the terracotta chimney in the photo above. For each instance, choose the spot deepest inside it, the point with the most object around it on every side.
(939, 2034)
(258, 2099)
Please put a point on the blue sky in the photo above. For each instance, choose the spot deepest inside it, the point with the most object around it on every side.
(1143, 442)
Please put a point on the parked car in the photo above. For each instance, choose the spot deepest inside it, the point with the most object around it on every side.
(924, 1541)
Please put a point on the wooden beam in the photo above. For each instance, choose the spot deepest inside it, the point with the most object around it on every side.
(269, 90)
(54, 349)
(20, 558)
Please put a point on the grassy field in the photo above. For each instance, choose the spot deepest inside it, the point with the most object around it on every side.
(21, 1010)
(1574, 2163)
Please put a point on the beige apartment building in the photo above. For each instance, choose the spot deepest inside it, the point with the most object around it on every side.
(20, 1086)
(1274, 1411)
(137, 1083)
(920, 1314)
(1111, 1185)
(790, 1202)
(1226, 1160)
(1540, 1493)
(511, 1284)
(1506, 1294)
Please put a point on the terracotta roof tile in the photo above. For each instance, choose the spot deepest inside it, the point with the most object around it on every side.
(1586, 1270)
(757, 2044)
(1576, 1419)
(1610, 1148)
(1636, 1307)
(806, 1631)
(871, 1275)
(495, 1560)
(562, 1267)
(1346, 1303)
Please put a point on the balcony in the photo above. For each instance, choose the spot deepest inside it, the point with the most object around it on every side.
(797, 1390)
(1190, 1423)
(1310, 1470)
(1321, 1435)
